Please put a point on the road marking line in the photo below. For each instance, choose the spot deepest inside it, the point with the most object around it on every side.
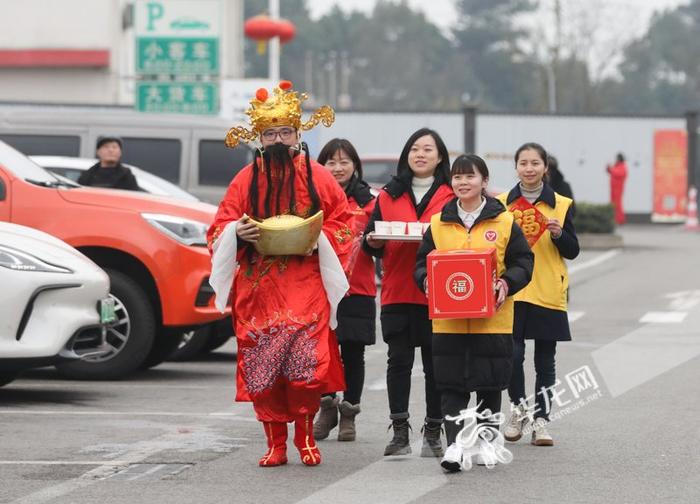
(137, 453)
(669, 317)
(684, 300)
(378, 384)
(145, 473)
(647, 352)
(593, 262)
(233, 416)
(387, 479)
(26, 382)
(584, 344)
(575, 315)
(64, 462)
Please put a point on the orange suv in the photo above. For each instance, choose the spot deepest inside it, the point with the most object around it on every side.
(153, 249)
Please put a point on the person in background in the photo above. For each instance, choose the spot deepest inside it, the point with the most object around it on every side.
(475, 355)
(108, 171)
(419, 190)
(555, 178)
(358, 310)
(618, 176)
(540, 308)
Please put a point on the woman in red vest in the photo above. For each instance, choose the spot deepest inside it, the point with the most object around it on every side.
(419, 190)
(358, 310)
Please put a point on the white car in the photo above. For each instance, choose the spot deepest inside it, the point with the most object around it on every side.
(73, 168)
(50, 295)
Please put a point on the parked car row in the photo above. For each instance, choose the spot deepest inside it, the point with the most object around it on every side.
(148, 245)
(152, 249)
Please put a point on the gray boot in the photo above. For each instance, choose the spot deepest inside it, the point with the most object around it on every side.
(327, 417)
(399, 444)
(346, 430)
(432, 444)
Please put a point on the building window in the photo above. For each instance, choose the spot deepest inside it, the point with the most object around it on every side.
(44, 145)
(218, 164)
(158, 156)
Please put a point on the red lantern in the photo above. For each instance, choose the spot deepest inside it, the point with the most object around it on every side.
(261, 28)
(286, 30)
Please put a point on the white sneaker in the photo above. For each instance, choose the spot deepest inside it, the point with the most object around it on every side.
(452, 461)
(516, 423)
(485, 455)
(540, 436)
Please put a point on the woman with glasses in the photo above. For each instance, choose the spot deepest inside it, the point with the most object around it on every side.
(281, 304)
(357, 311)
(419, 190)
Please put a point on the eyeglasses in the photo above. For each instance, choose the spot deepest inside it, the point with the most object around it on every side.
(284, 134)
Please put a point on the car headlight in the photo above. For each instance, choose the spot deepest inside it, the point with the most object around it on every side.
(186, 231)
(17, 260)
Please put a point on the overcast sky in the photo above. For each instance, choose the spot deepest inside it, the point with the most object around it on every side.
(442, 12)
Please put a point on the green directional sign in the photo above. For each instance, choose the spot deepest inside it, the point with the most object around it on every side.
(177, 56)
(178, 53)
(177, 97)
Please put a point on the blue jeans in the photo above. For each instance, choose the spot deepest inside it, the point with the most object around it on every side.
(545, 375)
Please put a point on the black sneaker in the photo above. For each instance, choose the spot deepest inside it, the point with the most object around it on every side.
(432, 444)
(399, 443)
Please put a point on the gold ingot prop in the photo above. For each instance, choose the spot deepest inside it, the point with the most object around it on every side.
(288, 234)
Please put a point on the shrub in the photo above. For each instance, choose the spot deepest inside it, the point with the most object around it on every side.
(592, 218)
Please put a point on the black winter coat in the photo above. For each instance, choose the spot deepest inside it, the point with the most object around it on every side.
(117, 177)
(471, 362)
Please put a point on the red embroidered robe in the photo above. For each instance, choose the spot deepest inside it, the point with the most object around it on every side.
(280, 309)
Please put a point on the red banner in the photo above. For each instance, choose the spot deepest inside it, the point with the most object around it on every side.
(670, 175)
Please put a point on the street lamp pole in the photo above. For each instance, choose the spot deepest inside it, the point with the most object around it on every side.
(274, 56)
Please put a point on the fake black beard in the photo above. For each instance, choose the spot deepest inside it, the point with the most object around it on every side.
(276, 156)
(279, 171)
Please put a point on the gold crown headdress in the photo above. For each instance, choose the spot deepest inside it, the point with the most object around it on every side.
(281, 109)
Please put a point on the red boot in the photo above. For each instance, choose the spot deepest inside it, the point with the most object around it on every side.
(276, 433)
(304, 440)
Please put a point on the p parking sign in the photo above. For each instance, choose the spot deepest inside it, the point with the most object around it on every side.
(178, 38)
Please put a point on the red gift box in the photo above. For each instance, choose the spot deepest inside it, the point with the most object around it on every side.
(461, 283)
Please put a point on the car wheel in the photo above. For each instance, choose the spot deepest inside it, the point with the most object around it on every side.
(192, 344)
(128, 340)
(222, 331)
(6, 378)
(165, 343)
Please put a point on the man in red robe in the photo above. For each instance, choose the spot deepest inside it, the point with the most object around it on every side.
(618, 176)
(282, 310)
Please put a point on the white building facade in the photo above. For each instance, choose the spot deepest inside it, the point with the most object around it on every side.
(83, 51)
